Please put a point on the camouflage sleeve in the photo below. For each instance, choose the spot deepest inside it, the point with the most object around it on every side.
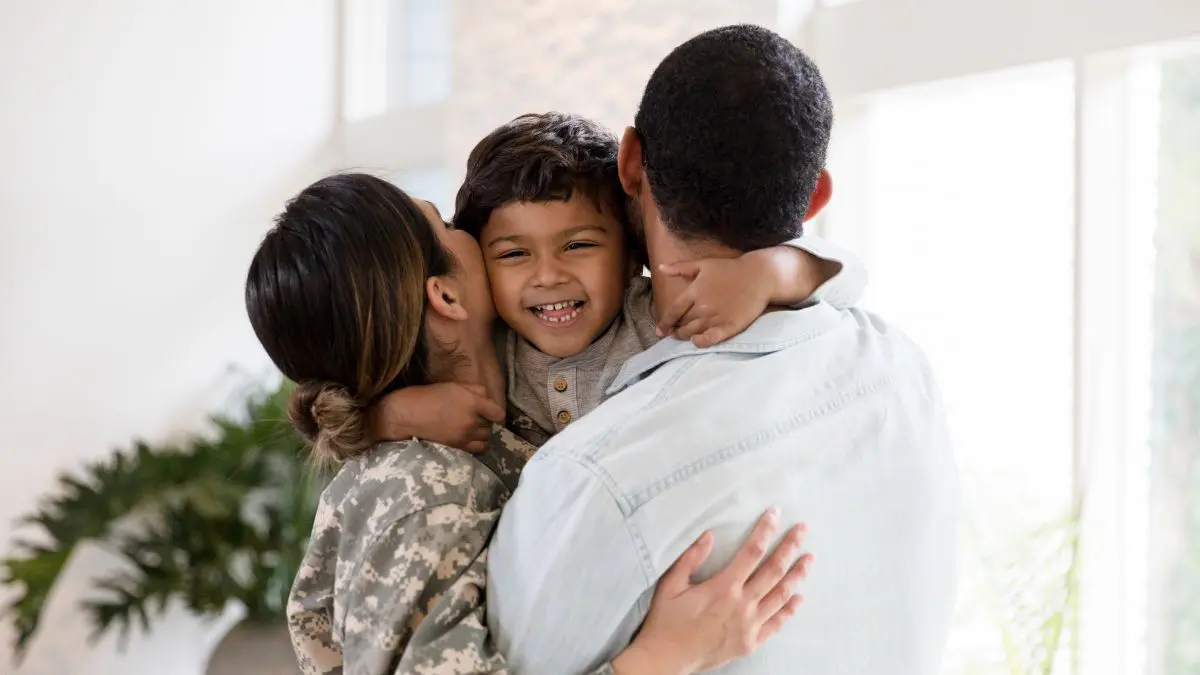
(453, 639)
(310, 603)
(416, 602)
(428, 560)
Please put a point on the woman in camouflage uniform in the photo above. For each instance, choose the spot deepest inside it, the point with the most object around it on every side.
(357, 291)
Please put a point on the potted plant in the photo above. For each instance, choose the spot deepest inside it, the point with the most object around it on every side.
(218, 519)
(1031, 588)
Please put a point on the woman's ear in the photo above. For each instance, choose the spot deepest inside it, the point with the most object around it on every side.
(445, 298)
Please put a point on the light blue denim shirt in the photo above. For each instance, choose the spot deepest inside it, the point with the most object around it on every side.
(833, 416)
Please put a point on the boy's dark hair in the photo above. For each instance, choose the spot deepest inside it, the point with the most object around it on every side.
(734, 125)
(539, 158)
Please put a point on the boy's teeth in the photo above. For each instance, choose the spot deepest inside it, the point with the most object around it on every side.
(572, 305)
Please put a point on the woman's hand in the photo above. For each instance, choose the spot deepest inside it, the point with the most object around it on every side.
(695, 627)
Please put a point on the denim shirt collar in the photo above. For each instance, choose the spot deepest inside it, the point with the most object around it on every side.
(772, 332)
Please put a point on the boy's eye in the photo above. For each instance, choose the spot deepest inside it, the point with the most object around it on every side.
(512, 253)
(577, 245)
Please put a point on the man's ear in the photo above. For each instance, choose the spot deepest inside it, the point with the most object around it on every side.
(820, 196)
(629, 162)
(445, 298)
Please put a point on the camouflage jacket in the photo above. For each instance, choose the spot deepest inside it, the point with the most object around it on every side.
(393, 579)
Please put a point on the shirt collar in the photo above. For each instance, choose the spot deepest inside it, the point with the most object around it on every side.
(772, 332)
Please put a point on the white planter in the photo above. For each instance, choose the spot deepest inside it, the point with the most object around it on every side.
(254, 649)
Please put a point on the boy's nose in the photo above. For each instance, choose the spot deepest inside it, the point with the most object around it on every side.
(549, 273)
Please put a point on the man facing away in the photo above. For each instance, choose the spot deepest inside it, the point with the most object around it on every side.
(832, 416)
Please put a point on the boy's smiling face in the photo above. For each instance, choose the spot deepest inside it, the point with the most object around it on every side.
(558, 271)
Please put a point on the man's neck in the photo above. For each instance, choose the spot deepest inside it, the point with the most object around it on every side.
(670, 249)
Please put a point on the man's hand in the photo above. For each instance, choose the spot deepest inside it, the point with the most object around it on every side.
(457, 415)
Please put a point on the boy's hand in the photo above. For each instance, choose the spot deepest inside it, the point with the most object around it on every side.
(457, 415)
(726, 295)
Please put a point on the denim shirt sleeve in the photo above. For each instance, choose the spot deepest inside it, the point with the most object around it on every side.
(567, 585)
(846, 287)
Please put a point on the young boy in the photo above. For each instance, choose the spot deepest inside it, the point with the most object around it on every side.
(542, 196)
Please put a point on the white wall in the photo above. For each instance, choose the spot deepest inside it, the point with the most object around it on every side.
(915, 41)
(144, 147)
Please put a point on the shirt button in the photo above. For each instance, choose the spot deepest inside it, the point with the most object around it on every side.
(560, 384)
(564, 417)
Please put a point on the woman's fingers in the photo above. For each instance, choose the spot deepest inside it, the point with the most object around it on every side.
(785, 589)
(777, 566)
(679, 577)
(776, 621)
(746, 560)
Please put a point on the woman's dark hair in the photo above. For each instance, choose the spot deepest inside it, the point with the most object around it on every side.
(336, 296)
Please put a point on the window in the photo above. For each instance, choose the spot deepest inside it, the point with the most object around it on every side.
(1171, 259)
(968, 212)
(1037, 230)
(432, 184)
(398, 53)
(420, 51)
